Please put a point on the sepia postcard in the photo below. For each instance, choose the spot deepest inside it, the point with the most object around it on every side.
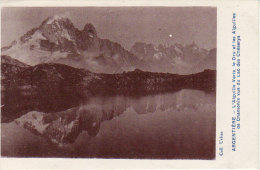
(129, 84)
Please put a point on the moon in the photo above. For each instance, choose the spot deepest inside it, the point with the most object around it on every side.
(170, 35)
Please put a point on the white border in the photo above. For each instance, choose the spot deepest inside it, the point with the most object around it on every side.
(247, 155)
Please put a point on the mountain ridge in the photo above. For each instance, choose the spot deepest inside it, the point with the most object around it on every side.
(185, 59)
(57, 40)
(51, 86)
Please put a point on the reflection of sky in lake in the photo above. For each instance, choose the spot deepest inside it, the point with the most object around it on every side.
(171, 125)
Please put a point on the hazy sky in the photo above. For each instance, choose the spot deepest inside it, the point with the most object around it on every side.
(125, 25)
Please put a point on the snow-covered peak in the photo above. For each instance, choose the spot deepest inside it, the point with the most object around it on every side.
(57, 21)
(55, 18)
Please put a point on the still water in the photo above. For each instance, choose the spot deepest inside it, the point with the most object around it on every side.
(179, 125)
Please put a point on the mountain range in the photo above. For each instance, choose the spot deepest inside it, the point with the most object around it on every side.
(56, 66)
(57, 40)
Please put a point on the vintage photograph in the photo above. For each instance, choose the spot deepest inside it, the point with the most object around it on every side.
(108, 82)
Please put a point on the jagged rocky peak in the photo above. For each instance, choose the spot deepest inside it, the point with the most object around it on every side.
(61, 31)
(56, 27)
(58, 34)
(53, 34)
(90, 30)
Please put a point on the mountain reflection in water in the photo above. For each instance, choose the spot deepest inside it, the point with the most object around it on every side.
(170, 125)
